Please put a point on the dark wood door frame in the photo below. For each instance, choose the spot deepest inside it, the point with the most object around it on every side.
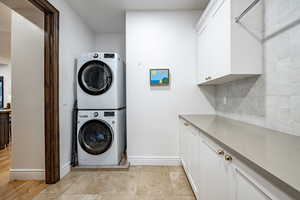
(51, 86)
(51, 89)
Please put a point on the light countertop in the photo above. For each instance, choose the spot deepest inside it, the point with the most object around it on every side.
(275, 153)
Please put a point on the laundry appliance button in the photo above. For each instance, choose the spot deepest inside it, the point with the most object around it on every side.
(96, 55)
(96, 114)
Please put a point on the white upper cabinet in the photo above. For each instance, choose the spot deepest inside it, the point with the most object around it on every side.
(228, 50)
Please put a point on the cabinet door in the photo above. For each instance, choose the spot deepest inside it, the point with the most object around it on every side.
(247, 189)
(219, 37)
(183, 141)
(195, 142)
(190, 153)
(202, 55)
(186, 146)
(214, 184)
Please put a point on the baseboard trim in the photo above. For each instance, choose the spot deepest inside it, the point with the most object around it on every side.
(154, 160)
(65, 169)
(27, 174)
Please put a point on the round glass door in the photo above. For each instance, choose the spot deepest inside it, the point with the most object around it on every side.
(95, 77)
(95, 137)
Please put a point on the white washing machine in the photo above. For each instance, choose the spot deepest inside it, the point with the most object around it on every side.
(100, 81)
(101, 137)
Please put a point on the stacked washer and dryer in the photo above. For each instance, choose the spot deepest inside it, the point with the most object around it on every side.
(101, 132)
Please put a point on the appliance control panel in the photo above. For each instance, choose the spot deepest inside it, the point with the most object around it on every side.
(109, 55)
(109, 114)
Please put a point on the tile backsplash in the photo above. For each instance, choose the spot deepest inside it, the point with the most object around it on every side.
(273, 99)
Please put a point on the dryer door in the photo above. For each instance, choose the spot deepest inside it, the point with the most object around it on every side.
(95, 77)
(95, 137)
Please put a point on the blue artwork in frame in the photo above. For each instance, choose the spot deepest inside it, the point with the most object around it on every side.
(159, 77)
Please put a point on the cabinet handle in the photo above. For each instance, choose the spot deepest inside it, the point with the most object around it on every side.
(228, 158)
(220, 152)
(186, 124)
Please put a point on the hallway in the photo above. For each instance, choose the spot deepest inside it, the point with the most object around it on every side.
(20, 190)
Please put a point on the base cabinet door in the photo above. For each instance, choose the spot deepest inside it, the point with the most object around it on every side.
(195, 169)
(189, 151)
(245, 190)
(214, 184)
(248, 188)
(183, 138)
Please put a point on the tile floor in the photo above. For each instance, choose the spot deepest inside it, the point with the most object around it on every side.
(138, 183)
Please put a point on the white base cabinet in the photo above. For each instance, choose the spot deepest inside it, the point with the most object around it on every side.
(216, 175)
(190, 155)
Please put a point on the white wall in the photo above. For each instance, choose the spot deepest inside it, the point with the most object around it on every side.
(28, 154)
(5, 71)
(28, 114)
(75, 38)
(160, 39)
(114, 42)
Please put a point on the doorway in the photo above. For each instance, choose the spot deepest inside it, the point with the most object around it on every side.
(50, 82)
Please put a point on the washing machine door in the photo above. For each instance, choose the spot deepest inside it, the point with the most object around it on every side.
(95, 137)
(95, 77)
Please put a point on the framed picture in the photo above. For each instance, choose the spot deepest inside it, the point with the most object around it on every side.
(159, 77)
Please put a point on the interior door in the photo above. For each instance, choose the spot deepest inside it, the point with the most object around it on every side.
(95, 77)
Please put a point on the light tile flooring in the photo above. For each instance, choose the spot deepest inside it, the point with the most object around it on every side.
(138, 183)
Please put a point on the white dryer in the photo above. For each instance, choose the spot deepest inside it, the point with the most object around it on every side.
(100, 81)
(101, 137)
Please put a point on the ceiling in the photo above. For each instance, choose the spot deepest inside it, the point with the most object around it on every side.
(5, 18)
(5, 29)
(108, 16)
(25, 9)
